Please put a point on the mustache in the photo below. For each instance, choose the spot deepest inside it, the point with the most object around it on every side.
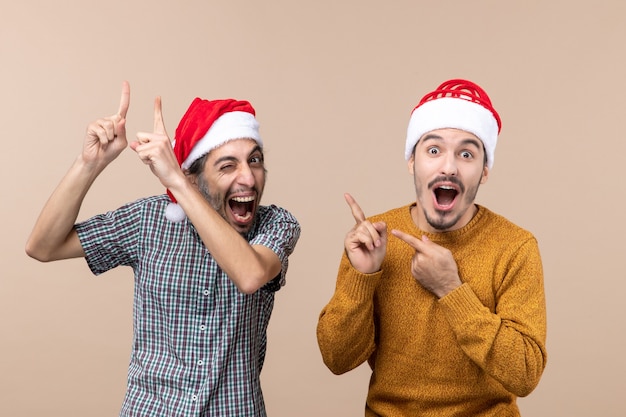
(254, 189)
(444, 178)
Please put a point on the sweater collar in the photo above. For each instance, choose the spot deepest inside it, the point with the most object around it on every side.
(451, 235)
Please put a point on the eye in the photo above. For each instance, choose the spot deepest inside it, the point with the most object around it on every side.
(433, 150)
(466, 155)
(256, 160)
(227, 167)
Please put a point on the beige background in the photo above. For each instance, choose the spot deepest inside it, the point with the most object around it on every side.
(333, 83)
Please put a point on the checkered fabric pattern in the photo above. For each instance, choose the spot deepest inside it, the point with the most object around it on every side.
(198, 343)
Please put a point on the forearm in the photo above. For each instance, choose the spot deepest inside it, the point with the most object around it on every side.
(249, 267)
(345, 330)
(53, 234)
(511, 350)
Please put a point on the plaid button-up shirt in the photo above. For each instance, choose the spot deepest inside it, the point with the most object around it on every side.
(198, 343)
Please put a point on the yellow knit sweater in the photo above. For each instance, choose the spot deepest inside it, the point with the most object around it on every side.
(470, 353)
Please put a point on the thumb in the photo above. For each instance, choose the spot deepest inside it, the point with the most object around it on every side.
(381, 228)
(133, 145)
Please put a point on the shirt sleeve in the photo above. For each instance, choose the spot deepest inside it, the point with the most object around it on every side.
(279, 231)
(110, 239)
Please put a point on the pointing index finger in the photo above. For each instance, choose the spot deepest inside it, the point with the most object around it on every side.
(124, 100)
(159, 126)
(357, 213)
(411, 240)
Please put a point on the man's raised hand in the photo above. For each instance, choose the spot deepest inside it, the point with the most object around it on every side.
(105, 138)
(155, 150)
(366, 242)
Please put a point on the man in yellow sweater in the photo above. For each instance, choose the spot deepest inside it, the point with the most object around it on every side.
(442, 297)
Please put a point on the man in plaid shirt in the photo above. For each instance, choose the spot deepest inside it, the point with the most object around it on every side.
(207, 257)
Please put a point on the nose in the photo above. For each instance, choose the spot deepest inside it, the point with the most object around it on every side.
(246, 176)
(448, 164)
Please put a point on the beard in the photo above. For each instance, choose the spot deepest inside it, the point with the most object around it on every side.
(214, 199)
(445, 220)
(218, 201)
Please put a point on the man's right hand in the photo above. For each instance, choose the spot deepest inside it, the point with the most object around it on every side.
(366, 242)
(53, 236)
(106, 138)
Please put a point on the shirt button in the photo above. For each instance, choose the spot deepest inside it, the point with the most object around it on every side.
(202, 327)
(205, 292)
(200, 362)
(194, 398)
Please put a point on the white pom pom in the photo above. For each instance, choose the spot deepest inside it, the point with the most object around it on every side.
(175, 213)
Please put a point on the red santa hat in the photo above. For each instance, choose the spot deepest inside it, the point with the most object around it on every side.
(205, 126)
(457, 104)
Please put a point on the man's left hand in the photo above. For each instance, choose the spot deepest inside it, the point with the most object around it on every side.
(433, 266)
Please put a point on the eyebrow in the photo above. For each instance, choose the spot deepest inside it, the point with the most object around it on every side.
(225, 158)
(468, 141)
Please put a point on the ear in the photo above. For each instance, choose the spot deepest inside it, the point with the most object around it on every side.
(192, 178)
(411, 164)
(485, 176)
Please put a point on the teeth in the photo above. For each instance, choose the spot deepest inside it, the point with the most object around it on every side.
(446, 187)
(243, 199)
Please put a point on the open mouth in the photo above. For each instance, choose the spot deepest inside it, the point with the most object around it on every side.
(242, 208)
(445, 196)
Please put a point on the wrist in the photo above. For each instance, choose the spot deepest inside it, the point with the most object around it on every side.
(447, 289)
(87, 168)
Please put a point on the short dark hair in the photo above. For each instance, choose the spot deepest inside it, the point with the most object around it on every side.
(197, 167)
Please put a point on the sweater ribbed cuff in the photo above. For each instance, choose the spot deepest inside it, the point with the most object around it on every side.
(460, 304)
(356, 285)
